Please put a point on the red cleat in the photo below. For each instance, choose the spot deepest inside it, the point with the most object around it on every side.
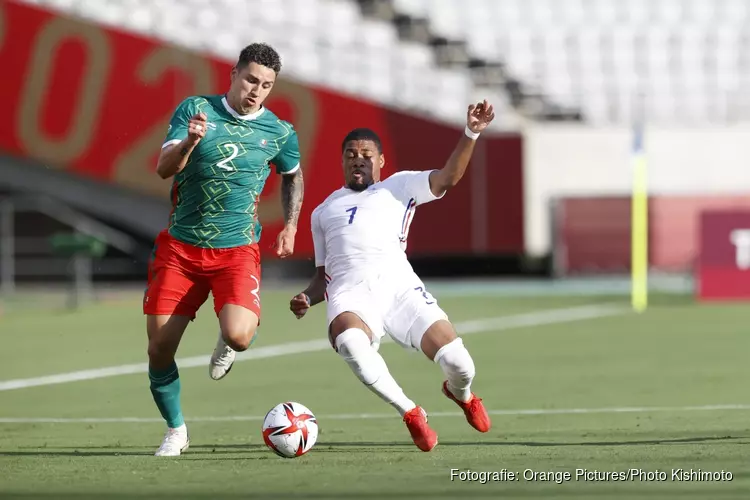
(474, 409)
(424, 437)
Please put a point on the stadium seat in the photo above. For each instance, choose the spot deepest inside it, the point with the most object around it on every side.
(333, 43)
(642, 49)
(681, 59)
(443, 15)
(484, 42)
(415, 8)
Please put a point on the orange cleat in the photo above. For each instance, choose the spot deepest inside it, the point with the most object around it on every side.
(474, 409)
(424, 437)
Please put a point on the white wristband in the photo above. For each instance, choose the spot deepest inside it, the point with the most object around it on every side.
(470, 134)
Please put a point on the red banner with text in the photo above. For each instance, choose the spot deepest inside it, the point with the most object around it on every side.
(95, 102)
(724, 265)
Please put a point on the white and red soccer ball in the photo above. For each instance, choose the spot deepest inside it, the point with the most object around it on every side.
(290, 430)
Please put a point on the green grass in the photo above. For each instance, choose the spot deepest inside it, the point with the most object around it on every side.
(678, 354)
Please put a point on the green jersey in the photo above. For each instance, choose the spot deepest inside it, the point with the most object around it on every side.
(215, 197)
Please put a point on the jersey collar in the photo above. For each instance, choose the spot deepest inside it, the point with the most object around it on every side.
(231, 111)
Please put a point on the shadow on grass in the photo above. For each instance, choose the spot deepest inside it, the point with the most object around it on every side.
(205, 450)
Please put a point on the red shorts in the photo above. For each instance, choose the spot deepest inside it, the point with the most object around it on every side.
(180, 277)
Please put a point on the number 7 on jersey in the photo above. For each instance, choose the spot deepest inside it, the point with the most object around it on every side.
(353, 211)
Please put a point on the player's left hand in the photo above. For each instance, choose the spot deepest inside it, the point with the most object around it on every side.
(285, 242)
(299, 305)
(479, 116)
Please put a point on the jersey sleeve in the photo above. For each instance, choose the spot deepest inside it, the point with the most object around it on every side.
(178, 124)
(319, 242)
(415, 185)
(288, 157)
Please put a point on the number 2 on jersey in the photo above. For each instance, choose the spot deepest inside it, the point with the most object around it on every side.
(353, 210)
(234, 151)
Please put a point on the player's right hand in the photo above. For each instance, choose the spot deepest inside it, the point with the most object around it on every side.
(197, 128)
(299, 305)
(479, 116)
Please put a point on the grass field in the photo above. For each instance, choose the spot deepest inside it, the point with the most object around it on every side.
(573, 383)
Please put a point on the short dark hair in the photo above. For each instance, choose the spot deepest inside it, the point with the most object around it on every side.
(260, 53)
(362, 134)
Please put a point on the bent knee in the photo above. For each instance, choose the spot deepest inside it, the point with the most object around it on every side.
(238, 326)
(239, 337)
(344, 322)
(438, 335)
(455, 358)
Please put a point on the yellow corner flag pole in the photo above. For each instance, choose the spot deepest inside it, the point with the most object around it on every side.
(639, 225)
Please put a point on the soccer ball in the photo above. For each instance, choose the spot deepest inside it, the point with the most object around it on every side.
(290, 430)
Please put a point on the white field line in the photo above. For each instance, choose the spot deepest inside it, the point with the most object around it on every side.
(536, 318)
(374, 416)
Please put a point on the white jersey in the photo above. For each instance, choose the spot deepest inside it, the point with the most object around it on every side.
(361, 235)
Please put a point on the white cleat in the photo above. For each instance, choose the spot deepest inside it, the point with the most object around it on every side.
(221, 360)
(175, 442)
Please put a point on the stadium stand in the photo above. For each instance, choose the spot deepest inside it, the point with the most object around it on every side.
(601, 61)
(326, 43)
(668, 61)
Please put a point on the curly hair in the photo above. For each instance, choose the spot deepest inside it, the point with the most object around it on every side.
(260, 53)
(362, 134)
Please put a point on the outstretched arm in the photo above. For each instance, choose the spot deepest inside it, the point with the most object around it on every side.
(478, 117)
(292, 192)
(310, 296)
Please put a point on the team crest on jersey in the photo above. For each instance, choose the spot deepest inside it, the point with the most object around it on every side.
(263, 142)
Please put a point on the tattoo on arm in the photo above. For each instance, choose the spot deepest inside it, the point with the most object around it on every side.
(292, 192)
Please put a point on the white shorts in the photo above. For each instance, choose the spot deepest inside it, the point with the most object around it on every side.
(404, 310)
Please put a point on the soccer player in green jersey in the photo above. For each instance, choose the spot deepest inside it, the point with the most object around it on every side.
(219, 150)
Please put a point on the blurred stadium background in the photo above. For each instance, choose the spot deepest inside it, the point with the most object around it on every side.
(583, 91)
(89, 87)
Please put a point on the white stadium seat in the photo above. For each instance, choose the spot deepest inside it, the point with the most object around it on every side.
(683, 60)
(415, 8)
(324, 42)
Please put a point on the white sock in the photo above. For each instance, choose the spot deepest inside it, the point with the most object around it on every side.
(181, 429)
(354, 346)
(458, 367)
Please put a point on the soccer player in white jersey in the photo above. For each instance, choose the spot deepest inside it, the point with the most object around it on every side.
(359, 234)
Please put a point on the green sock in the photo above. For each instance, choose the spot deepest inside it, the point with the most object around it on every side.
(165, 387)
